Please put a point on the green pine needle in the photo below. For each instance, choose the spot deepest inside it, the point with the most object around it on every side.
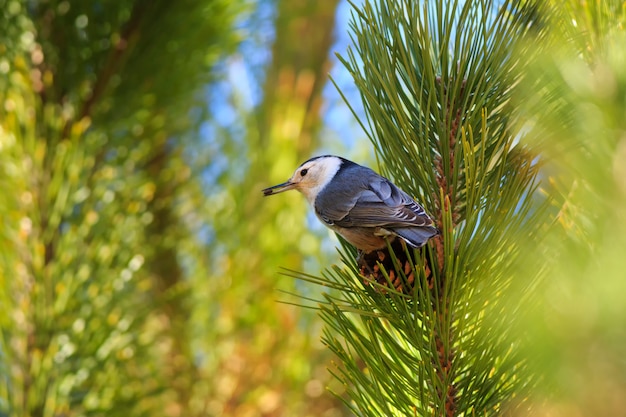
(436, 80)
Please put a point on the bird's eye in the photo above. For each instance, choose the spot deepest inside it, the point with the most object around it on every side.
(303, 172)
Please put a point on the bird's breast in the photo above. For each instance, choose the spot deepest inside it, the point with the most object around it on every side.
(365, 238)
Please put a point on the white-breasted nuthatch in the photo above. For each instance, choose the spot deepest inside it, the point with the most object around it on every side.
(362, 206)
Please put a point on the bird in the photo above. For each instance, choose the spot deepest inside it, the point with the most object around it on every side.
(365, 208)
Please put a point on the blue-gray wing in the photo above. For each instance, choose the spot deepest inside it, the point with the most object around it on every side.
(371, 202)
(365, 199)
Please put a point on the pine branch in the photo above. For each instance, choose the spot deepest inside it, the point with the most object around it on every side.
(436, 81)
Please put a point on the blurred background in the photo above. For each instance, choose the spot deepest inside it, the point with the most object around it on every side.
(140, 267)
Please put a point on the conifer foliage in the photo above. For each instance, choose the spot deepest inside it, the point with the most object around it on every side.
(436, 80)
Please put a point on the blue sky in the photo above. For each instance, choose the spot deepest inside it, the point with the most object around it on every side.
(244, 74)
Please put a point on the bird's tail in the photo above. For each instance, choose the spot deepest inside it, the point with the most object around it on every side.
(417, 236)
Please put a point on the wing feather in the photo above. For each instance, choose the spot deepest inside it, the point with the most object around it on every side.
(373, 202)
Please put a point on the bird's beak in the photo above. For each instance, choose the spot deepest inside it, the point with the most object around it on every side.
(285, 186)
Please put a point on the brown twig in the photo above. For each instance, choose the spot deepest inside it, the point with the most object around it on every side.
(449, 203)
(111, 67)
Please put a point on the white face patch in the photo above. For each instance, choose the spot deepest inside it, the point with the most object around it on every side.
(319, 173)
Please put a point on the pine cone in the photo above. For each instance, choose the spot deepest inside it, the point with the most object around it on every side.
(369, 267)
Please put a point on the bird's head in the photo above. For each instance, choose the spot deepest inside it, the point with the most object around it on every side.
(310, 177)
